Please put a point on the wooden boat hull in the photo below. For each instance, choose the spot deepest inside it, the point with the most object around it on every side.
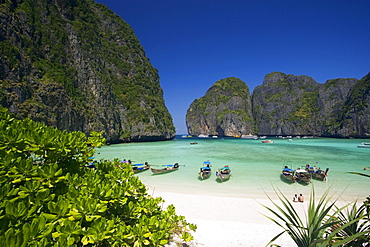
(303, 180)
(318, 174)
(140, 169)
(289, 178)
(321, 177)
(164, 170)
(223, 177)
(302, 176)
(205, 174)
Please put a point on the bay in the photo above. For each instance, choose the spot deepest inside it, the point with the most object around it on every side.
(255, 166)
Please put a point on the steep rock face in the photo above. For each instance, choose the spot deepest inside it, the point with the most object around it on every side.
(225, 110)
(333, 95)
(286, 105)
(354, 119)
(77, 66)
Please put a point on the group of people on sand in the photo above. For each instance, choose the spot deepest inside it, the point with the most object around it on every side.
(299, 198)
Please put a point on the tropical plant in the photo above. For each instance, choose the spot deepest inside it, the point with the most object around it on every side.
(48, 196)
(322, 226)
(355, 227)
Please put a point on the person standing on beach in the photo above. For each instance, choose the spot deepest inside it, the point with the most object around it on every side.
(300, 198)
(295, 198)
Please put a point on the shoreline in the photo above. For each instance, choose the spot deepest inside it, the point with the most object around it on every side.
(224, 221)
(227, 221)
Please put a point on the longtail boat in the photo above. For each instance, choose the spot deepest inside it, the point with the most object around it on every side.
(318, 174)
(205, 171)
(302, 176)
(288, 174)
(167, 168)
(140, 167)
(223, 173)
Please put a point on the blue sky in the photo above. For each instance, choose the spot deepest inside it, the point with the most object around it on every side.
(194, 43)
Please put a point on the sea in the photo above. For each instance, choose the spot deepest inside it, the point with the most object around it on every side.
(256, 166)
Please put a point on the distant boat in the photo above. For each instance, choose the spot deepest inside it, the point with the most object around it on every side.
(140, 167)
(223, 173)
(267, 141)
(184, 136)
(205, 171)
(167, 168)
(203, 136)
(302, 176)
(193, 143)
(288, 174)
(214, 136)
(250, 136)
(364, 145)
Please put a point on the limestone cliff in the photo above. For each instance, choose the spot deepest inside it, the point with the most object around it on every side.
(285, 104)
(290, 105)
(354, 118)
(224, 110)
(76, 65)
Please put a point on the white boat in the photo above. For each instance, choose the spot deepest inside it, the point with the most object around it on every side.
(203, 136)
(364, 145)
(250, 136)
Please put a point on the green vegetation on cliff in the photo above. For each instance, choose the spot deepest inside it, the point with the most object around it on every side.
(226, 104)
(48, 197)
(93, 55)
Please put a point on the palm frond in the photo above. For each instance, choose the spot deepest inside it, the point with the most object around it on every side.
(361, 174)
(322, 226)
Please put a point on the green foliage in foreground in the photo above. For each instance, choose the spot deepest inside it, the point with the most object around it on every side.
(49, 198)
(325, 224)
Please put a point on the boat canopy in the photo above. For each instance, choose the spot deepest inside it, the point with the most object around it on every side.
(206, 162)
(225, 168)
(288, 170)
(137, 164)
(301, 170)
(206, 168)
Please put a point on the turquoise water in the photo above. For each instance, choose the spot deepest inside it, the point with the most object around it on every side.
(256, 166)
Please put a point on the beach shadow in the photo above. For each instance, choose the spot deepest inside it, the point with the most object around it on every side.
(284, 180)
(156, 174)
(202, 179)
(221, 181)
(304, 184)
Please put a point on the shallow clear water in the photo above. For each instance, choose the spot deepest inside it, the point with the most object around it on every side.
(255, 166)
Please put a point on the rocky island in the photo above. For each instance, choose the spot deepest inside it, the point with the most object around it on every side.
(284, 105)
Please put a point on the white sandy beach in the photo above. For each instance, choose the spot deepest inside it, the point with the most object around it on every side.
(228, 221)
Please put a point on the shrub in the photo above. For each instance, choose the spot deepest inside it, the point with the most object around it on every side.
(48, 197)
